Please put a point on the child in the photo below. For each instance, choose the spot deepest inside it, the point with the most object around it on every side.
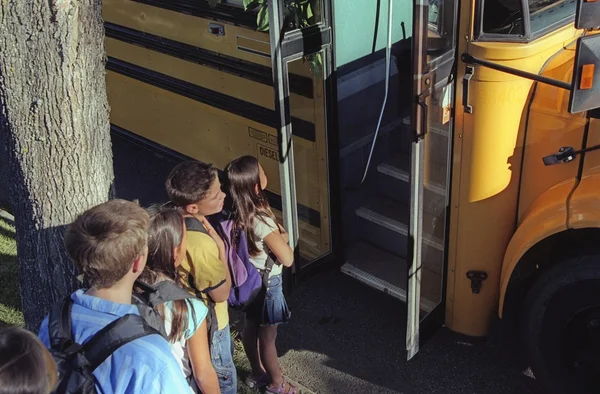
(185, 320)
(25, 364)
(246, 181)
(108, 244)
(195, 188)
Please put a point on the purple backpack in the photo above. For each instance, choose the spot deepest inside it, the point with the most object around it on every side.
(246, 280)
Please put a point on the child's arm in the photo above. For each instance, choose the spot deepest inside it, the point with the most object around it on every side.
(221, 293)
(199, 353)
(278, 243)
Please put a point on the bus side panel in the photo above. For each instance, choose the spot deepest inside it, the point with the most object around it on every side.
(549, 127)
(584, 212)
(211, 135)
(239, 42)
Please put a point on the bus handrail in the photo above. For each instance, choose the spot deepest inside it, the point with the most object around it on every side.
(470, 59)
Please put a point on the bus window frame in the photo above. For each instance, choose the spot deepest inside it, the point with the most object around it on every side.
(526, 37)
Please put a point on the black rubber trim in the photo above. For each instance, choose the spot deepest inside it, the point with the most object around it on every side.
(299, 85)
(200, 8)
(301, 128)
(306, 214)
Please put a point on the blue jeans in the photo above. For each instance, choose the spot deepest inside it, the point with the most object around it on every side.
(221, 353)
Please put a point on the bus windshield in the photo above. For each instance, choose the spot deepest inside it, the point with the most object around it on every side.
(547, 15)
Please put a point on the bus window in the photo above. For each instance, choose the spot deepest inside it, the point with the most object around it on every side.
(548, 15)
(502, 20)
(502, 17)
(440, 26)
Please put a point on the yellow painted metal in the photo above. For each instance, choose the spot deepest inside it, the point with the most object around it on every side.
(549, 127)
(192, 30)
(591, 164)
(583, 211)
(487, 158)
(207, 77)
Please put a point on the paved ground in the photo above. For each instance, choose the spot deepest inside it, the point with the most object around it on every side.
(345, 337)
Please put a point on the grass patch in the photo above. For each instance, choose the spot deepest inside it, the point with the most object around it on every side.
(241, 364)
(10, 302)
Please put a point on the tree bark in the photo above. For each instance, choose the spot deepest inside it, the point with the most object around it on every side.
(54, 134)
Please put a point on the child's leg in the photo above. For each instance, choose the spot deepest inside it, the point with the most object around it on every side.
(268, 354)
(250, 342)
(221, 352)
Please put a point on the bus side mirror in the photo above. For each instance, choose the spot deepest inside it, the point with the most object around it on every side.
(588, 14)
(585, 86)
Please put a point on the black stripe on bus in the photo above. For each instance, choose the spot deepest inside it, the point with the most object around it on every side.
(306, 214)
(299, 85)
(200, 8)
(300, 128)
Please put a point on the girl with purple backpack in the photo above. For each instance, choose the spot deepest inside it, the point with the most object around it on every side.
(268, 248)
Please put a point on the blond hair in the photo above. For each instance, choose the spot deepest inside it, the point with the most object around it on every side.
(105, 240)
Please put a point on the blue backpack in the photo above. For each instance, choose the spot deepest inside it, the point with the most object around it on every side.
(247, 281)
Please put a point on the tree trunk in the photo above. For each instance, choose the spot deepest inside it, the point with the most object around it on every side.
(54, 125)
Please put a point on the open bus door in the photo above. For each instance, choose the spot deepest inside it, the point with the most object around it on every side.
(434, 64)
(311, 43)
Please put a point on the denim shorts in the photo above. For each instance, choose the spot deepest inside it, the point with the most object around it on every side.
(270, 307)
(221, 352)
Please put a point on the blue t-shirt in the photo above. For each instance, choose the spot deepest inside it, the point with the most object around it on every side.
(144, 365)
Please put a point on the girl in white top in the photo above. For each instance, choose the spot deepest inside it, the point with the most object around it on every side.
(266, 240)
(185, 320)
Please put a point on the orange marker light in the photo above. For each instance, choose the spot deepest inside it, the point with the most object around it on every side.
(590, 1)
(587, 76)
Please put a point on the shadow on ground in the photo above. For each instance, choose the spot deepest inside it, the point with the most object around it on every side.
(345, 337)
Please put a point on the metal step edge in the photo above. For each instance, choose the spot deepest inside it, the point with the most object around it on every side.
(382, 285)
(368, 139)
(395, 226)
(402, 175)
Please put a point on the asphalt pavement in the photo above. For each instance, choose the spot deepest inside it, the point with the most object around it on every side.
(345, 337)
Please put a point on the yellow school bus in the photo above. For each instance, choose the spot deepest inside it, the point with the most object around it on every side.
(446, 153)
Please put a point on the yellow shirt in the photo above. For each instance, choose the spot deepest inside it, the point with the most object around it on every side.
(203, 268)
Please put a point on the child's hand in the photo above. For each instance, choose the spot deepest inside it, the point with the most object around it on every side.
(213, 234)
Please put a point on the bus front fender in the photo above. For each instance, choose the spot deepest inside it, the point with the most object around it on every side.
(547, 216)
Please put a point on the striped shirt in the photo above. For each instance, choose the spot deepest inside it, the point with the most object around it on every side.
(144, 365)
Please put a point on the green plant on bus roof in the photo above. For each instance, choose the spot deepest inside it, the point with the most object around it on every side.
(297, 15)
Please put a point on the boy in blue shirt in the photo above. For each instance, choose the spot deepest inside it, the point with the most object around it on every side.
(109, 246)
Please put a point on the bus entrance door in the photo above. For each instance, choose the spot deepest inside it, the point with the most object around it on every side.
(434, 57)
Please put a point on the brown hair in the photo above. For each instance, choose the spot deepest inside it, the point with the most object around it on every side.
(166, 234)
(105, 240)
(242, 177)
(189, 182)
(26, 366)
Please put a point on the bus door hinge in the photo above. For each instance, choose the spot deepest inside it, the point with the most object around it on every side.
(477, 278)
(566, 154)
(470, 71)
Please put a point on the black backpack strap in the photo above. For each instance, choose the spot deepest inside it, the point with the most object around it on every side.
(264, 273)
(118, 333)
(161, 292)
(193, 224)
(59, 325)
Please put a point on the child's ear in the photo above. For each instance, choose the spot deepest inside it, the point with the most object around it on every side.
(139, 264)
(257, 188)
(192, 209)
